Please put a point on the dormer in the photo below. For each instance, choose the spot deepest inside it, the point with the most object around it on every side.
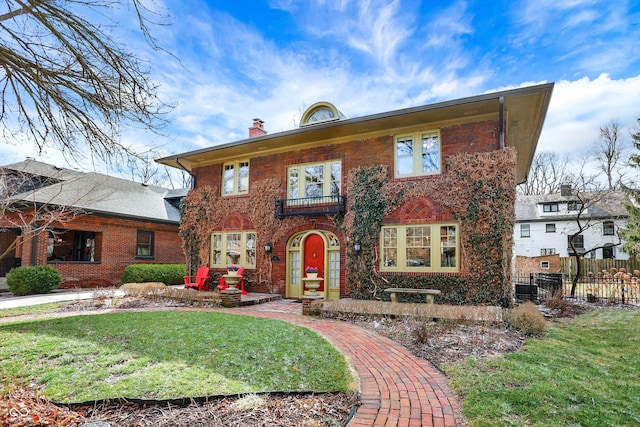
(320, 112)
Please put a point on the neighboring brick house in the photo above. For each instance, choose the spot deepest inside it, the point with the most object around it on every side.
(110, 223)
(419, 197)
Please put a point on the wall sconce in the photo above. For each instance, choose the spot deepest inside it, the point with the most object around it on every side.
(267, 247)
(356, 246)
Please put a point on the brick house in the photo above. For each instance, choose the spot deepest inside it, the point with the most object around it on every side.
(103, 223)
(418, 197)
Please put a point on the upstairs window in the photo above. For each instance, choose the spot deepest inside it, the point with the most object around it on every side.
(578, 241)
(144, 244)
(608, 228)
(550, 207)
(574, 205)
(314, 180)
(525, 230)
(417, 154)
(235, 178)
(550, 228)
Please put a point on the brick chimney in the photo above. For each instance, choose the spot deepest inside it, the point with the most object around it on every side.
(257, 129)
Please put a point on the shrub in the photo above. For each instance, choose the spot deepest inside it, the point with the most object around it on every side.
(169, 274)
(37, 279)
(527, 319)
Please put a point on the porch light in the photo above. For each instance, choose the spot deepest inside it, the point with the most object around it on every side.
(356, 246)
(267, 247)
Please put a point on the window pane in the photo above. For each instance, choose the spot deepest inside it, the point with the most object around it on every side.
(404, 155)
(293, 183)
(314, 180)
(334, 269)
(430, 152)
(233, 248)
(418, 250)
(251, 249)
(217, 249)
(448, 246)
(243, 177)
(390, 243)
(228, 179)
(335, 178)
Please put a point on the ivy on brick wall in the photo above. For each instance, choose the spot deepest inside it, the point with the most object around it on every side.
(479, 191)
(205, 211)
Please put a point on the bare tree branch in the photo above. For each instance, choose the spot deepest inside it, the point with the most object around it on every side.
(65, 82)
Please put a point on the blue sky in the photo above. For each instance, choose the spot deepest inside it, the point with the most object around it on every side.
(272, 59)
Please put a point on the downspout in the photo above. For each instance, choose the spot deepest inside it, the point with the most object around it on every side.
(193, 177)
(501, 113)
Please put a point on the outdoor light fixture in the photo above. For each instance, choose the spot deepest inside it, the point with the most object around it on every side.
(356, 246)
(267, 247)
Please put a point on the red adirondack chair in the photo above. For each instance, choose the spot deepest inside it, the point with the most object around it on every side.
(200, 281)
(222, 285)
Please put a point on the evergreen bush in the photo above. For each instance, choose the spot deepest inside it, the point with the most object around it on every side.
(38, 279)
(169, 274)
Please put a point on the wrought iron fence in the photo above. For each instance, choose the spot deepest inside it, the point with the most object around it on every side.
(603, 289)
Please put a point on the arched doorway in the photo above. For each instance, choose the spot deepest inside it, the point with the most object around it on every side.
(314, 248)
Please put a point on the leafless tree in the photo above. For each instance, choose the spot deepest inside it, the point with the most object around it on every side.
(610, 153)
(548, 171)
(584, 197)
(67, 82)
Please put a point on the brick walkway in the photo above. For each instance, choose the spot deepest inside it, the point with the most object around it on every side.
(396, 388)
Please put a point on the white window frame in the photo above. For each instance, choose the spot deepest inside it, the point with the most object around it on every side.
(299, 184)
(246, 249)
(235, 179)
(524, 227)
(436, 245)
(608, 228)
(416, 156)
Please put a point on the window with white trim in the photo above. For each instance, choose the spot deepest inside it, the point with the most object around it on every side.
(233, 248)
(525, 230)
(417, 154)
(608, 228)
(314, 180)
(235, 178)
(420, 247)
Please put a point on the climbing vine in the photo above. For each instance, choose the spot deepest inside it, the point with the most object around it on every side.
(477, 189)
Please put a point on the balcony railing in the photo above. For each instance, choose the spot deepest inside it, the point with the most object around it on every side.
(310, 206)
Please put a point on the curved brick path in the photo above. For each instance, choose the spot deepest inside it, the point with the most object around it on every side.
(397, 388)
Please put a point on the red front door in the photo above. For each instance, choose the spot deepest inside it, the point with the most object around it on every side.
(314, 255)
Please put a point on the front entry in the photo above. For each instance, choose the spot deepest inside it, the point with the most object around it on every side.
(313, 248)
(314, 256)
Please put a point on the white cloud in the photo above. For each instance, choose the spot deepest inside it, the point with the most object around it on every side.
(579, 108)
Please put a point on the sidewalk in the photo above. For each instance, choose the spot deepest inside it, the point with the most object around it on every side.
(9, 300)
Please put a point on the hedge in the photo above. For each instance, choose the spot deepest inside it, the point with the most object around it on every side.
(169, 274)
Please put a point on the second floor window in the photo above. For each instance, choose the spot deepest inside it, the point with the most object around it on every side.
(235, 178)
(417, 154)
(550, 207)
(525, 230)
(314, 180)
(550, 228)
(578, 241)
(608, 229)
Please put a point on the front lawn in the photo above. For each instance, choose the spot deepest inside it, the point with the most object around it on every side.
(166, 354)
(583, 373)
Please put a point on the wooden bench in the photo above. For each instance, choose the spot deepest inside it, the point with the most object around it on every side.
(430, 293)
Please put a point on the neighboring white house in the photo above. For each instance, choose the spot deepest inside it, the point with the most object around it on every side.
(545, 222)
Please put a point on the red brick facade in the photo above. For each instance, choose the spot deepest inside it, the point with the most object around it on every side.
(115, 249)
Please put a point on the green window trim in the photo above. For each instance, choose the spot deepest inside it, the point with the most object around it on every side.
(233, 248)
(235, 178)
(309, 180)
(432, 247)
(417, 154)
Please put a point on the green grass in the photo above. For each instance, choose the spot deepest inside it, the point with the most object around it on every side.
(583, 373)
(166, 355)
(33, 309)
